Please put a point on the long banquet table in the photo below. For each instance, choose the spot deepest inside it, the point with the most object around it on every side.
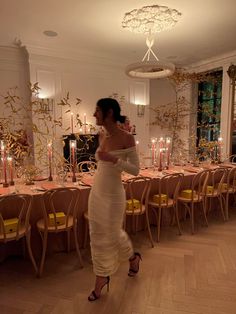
(56, 243)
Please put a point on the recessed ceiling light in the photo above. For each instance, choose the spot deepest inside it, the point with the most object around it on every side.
(50, 33)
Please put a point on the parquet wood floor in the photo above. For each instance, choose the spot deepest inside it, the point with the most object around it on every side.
(188, 274)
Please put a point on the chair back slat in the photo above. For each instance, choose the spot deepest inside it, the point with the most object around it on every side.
(138, 188)
(169, 185)
(87, 166)
(199, 184)
(64, 200)
(15, 206)
(231, 178)
(217, 177)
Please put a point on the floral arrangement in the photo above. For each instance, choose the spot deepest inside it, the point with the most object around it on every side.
(28, 173)
(207, 150)
(174, 116)
(17, 128)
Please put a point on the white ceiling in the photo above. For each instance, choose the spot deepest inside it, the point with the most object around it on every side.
(206, 28)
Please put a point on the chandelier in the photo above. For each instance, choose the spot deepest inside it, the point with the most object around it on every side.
(150, 20)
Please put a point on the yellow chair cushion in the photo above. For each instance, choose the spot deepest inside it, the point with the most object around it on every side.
(60, 219)
(132, 204)
(210, 189)
(10, 225)
(187, 194)
(160, 199)
(224, 186)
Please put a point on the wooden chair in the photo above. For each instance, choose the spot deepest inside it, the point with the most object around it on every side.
(87, 166)
(59, 215)
(165, 196)
(14, 220)
(195, 196)
(137, 194)
(231, 189)
(217, 188)
(230, 159)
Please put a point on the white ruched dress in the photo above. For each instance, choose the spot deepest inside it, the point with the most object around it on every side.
(109, 242)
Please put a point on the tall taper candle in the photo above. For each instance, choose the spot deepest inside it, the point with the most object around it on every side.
(168, 151)
(137, 147)
(160, 159)
(4, 161)
(153, 149)
(220, 148)
(50, 160)
(10, 163)
(73, 161)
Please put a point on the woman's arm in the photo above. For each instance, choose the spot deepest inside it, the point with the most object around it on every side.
(131, 165)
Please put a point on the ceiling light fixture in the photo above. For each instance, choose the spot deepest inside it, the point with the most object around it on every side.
(150, 20)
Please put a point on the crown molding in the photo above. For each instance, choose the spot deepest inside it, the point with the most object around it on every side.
(213, 63)
(9, 54)
(75, 55)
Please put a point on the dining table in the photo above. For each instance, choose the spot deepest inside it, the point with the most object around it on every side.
(84, 183)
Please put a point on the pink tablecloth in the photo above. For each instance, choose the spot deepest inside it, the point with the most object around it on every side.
(56, 243)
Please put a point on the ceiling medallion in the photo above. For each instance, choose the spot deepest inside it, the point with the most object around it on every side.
(150, 20)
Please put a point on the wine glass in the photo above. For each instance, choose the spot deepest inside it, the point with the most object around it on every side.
(62, 176)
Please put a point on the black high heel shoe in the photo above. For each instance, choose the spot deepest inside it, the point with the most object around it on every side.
(132, 272)
(93, 296)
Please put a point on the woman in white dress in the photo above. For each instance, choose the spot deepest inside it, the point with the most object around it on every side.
(109, 242)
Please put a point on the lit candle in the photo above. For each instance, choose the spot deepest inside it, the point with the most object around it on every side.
(73, 161)
(137, 147)
(72, 122)
(4, 161)
(168, 151)
(220, 148)
(161, 142)
(153, 149)
(50, 160)
(85, 129)
(10, 163)
(160, 159)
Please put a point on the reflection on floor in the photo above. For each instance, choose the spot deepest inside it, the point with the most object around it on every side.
(182, 275)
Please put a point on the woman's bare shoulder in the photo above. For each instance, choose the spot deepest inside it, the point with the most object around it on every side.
(101, 136)
(128, 139)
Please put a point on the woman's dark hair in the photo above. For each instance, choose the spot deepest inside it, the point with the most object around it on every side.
(105, 104)
(122, 119)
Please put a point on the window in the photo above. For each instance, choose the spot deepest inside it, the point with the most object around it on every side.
(209, 107)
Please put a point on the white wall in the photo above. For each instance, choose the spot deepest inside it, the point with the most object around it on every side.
(14, 72)
(89, 79)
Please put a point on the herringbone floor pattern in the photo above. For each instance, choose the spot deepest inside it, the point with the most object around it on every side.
(185, 274)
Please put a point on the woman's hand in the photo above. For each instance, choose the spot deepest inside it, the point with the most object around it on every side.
(105, 156)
